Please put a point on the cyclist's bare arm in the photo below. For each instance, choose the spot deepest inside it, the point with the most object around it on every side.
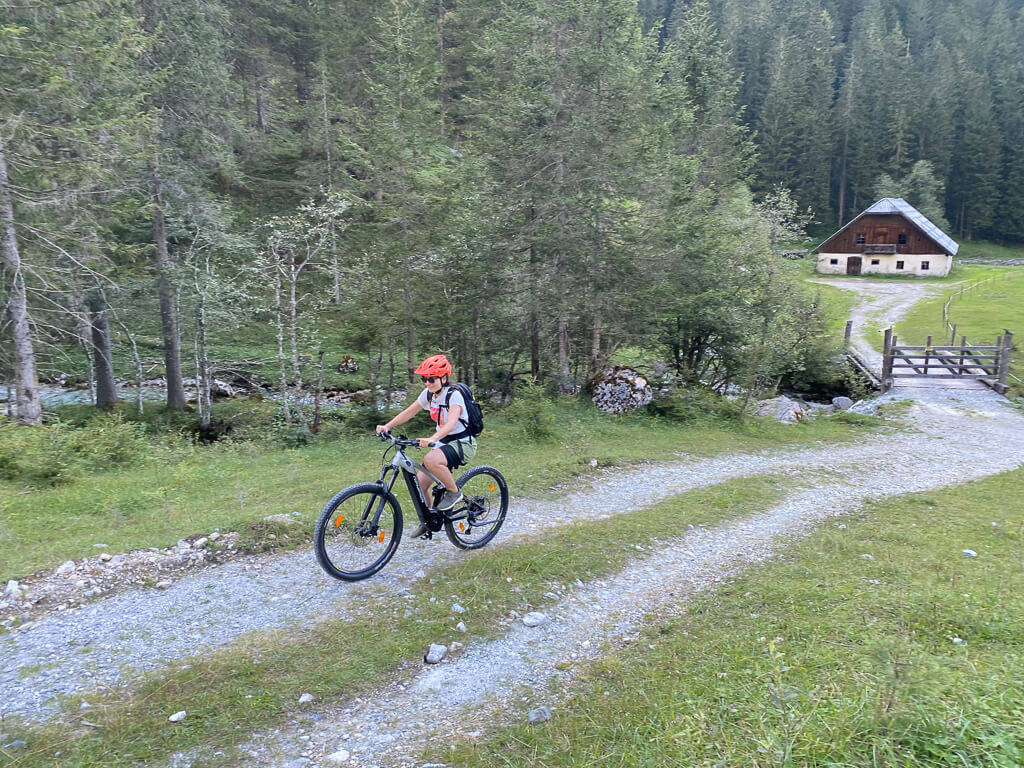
(401, 418)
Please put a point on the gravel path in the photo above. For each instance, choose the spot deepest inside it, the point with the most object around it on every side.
(497, 681)
(111, 641)
(882, 304)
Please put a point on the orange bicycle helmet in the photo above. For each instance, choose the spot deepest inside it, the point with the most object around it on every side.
(437, 365)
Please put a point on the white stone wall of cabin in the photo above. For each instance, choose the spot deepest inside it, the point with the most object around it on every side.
(938, 264)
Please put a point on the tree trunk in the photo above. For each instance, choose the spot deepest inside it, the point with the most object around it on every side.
(279, 319)
(261, 111)
(103, 360)
(203, 383)
(319, 392)
(293, 330)
(138, 365)
(83, 335)
(168, 311)
(25, 381)
(534, 329)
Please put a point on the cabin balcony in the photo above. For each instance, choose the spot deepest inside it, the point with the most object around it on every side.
(879, 248)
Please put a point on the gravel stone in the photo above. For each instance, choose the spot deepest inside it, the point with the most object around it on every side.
(177, 717)
(436, 653)
(538, 715)
(534, 619)
(970, 553)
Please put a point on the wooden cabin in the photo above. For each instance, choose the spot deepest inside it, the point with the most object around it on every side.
(891, 237)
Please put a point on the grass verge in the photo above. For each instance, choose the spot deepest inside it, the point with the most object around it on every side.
(211, 487)
(912, 658)
(253, 684)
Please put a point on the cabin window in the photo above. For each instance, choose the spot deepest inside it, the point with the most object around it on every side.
(874, 262)
(899, 265)
(860, 238)
(902, 239)
(924, 265)
(833, 261)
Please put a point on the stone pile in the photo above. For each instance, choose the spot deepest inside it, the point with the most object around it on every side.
(74, 582)
(621, 389)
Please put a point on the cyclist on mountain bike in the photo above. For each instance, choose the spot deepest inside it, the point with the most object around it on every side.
(447, 409)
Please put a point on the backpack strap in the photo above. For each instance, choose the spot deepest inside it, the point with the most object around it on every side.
(463, 417)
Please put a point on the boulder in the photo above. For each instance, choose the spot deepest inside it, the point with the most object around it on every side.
(783, 410)
(621, 389)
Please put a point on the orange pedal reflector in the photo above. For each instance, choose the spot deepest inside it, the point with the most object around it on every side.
(339, 521)
(380, 537)
(462, 526)
(491, 487)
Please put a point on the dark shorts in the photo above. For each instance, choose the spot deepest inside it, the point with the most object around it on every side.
(456, 457)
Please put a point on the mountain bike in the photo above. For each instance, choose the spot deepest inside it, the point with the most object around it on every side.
(360, 528)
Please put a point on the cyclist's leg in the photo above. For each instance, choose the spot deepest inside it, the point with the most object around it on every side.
(426, 482)
(440, 463)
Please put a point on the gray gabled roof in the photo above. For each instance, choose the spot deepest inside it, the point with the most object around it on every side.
(901, 206)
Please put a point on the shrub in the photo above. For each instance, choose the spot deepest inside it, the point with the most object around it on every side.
(531, 413)
(105, 441)
(362, 419)
(695, 404)
(56, 453)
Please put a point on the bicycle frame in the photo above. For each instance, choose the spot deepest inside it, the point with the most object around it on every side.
(400, 463)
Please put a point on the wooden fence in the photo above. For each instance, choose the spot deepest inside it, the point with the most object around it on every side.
(950, 361)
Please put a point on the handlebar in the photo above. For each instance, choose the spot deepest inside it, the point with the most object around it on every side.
(402, 441)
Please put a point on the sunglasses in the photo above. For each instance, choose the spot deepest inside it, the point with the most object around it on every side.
(429, 379)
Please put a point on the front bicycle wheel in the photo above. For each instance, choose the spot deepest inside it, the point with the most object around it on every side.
(477, 519)
(358, 532)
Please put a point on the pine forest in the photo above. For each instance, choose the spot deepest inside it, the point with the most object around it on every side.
(203, 188)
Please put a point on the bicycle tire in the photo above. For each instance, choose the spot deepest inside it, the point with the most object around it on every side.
(344, 551)
(485, 507)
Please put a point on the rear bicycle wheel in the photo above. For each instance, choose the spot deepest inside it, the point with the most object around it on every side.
(477, 519)
(358, 532)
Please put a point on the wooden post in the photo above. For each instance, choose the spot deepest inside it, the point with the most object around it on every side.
(963, 346)
(849, 332)
(952, 338)
(927, 354)
(1004, 362)
(887, 360)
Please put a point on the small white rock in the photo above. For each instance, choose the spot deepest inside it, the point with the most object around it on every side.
(215, 535)
(539, 715)
(534, 619)
(461, 626)
(177, 717)
(85, 705)
(200, 542)
(420, 575)
(455, 646)
(305, 698)
(436, 653)
(165, 584)
(970, 553)
(593, 463)
(958, 641)
(106, 557)
(66, 568)
(338, 758)
(867, 557)
(842, 526)
(456, 608)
